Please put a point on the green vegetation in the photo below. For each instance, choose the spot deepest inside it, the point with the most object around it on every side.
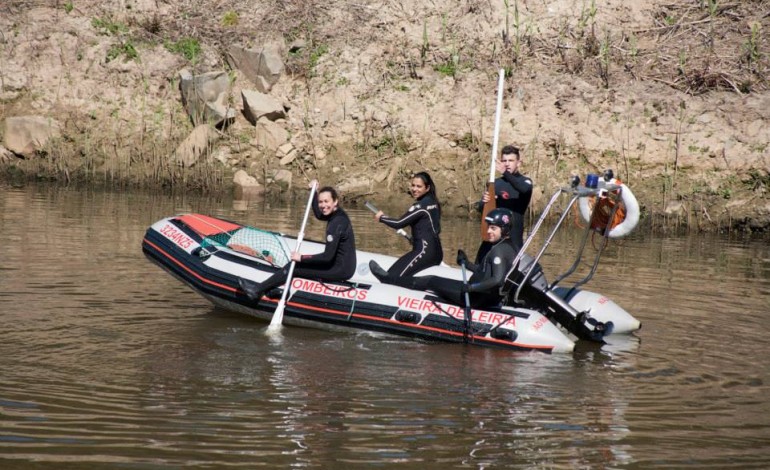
(448, 68)
(315, 56)
(108, 26)
(68, 7)
(587, 17)
(125, 49)
(751, 46)
(425, 44)
(230, 18)
(189, 48)
(712, 6)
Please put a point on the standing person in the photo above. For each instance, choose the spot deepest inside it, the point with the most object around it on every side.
(424, 218)
(336, 263)
(513, 191)
(488, 275)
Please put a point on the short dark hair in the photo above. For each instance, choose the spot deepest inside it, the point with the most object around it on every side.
(330, 190)
(510, 150)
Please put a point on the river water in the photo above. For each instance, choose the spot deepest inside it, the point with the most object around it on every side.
(108, 362)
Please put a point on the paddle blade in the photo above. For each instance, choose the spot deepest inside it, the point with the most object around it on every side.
(488, 207)
(277, 319)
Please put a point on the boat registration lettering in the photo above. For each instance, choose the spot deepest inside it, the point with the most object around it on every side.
(318, 288)
(539, 323)
(176, 236)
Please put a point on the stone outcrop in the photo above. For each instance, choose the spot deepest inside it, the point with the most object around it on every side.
(257, 105)
(25, 135)
(269, 135)
(246, 186)
(262, 66)
(5, 155)
(196, 145)
(205, 97)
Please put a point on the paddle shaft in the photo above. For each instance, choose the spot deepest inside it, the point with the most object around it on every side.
(489, 205)
(400, 231)
(467, 311)
(278, 315)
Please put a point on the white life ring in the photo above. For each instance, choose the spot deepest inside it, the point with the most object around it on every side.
(629, 201)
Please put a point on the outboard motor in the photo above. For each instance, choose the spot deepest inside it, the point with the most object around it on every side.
(535, 294)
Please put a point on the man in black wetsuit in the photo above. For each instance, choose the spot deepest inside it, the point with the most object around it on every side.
(488, 275)
(513, 191)
(424, 218)
(336, 263)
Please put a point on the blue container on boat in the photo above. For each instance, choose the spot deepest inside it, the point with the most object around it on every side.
(592, 181)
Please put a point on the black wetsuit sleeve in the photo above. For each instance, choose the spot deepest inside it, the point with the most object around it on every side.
(316, 210)
(409, 218)
(471, 266)
(334, 232)
(520, 183)
(499, 269)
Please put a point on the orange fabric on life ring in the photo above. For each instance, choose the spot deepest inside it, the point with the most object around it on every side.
(601, 214)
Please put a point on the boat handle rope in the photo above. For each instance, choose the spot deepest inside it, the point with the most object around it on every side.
(339, 291)
(333, 289)
(353, 305)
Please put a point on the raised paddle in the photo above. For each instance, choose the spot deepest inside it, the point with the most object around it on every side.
(400, 231)
(489, 205)
(275, 322)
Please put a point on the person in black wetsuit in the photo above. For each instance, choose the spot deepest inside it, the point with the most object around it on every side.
(513, 191)
(488, 275)
(336, 263)
(424, 218)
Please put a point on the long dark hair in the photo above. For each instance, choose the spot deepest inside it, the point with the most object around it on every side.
(428, 181)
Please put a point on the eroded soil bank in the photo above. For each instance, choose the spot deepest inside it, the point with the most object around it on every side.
(673, 98)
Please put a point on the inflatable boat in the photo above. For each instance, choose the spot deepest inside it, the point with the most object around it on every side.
(210, 255)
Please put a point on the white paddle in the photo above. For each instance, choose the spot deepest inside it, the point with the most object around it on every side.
(400, 231)
(491, 204)
(275, 322)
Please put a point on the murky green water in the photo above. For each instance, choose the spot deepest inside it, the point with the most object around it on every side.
(108, 362)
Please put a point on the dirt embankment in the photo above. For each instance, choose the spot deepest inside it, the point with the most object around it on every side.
(674, 97)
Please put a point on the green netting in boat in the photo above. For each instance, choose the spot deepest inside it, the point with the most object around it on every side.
(251, 241)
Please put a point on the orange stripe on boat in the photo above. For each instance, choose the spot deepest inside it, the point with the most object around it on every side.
(206, 225)
(345, 314)
(193, 273)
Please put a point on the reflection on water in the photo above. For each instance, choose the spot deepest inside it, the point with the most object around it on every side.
(106, 359)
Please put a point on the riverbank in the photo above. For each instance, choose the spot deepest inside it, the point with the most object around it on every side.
(673, 98)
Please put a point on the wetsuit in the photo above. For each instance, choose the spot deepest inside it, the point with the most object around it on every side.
(512, 191)
(336, 263)
(484, 284)
(424, 218)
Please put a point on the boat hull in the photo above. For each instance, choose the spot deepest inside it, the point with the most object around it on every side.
(180, 246)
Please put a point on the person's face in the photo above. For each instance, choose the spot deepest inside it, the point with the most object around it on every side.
(510, 162)
(494, 233)
(326, 203)
(418, 188)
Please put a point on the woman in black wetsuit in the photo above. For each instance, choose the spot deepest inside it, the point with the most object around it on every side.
(424, 218)
(336, 263)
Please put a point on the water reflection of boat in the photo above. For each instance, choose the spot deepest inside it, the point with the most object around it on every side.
(211, 255)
